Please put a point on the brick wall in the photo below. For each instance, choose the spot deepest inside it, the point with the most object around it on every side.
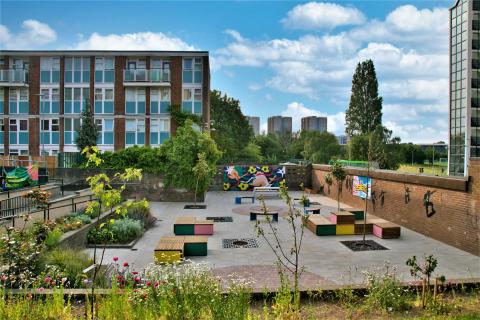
(176, 87)
(119, 104)
(206, 93)
(456, 202)
(34, 99)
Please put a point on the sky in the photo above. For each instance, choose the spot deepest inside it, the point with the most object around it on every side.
(285, 58)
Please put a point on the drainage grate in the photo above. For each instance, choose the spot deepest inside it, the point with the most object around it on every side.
(193, 206)
(240, 243)
(220, 219)
(357, 245)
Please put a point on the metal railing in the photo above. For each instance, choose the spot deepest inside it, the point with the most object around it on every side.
(70, 159)
(146, 75)
(14, 75)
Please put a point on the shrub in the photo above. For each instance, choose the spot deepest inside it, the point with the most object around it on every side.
(85, 219)
(146, 158)
(141, 211)
(92, 210)
(53, 238)
(71, 263)
(385, 292)
(100, 235)
(126, 230)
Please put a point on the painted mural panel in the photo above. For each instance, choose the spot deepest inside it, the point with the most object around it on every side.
(245, 178)
(360, 185)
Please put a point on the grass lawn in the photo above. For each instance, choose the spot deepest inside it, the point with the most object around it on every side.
(427, 168)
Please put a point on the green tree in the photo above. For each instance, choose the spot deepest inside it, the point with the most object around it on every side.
(251, 153)
(230, 128)
(201, 171)
(270, 147)
(181, 154)
(339, 174)
(87, 136)
(321, 147)
(364, 113)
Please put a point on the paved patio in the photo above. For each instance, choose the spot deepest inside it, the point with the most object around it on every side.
(326, 260)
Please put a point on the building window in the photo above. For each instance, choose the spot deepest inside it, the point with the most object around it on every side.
(159, 100)
(49, 131)
(71, 129)
(18, 131)
(49, 69)
(2, 96)
(77, 70)
(18, 101)
(135, 132)
(159, 131)
(105, 131)
(192, 100)
(104, 69)
(49, 101)
(192, 70)
(103, 100)
(159, 70)
(135, 101)
(75, 100)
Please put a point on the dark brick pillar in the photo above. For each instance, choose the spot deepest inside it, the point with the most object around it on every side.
(176, 88)
(34, 99)
(6, 120)
(147, 107)
(119, 133)
(206, 94)
(61, 102)
(92, 81)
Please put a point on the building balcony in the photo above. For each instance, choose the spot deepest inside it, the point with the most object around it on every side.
(152, 77)
(14, 78)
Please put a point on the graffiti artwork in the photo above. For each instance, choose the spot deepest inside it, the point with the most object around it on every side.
(407, 195)
(428, 204)
(244, 178)
(382, 198)
(361, 187)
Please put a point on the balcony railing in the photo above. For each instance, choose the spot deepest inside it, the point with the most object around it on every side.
(145, 75)
(14, 76)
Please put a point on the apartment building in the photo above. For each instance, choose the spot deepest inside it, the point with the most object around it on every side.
(43, 94)
(313, 123)
(254, 122)
(464, 111)
(280, 125)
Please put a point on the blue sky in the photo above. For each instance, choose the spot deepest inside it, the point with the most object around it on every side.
(289, 58)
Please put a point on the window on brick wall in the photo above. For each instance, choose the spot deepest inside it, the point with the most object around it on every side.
(2, 97)
(49, 132)
(49, 69)
(159, 130)
(103, 100)
(105, 131)
(134, 131)
(77, 70)
(2, 131)
(159, 100)
(135, 101)
(192, 100)
(49, 101)
(104, 69)
(18, 101)
(18, 131)
(192, 70)
(75, 100)
(71, 129)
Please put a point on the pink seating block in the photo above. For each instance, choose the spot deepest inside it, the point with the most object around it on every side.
(377, 231)
(333, 218)
(203, 229)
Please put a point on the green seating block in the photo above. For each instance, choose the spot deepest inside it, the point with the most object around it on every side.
(326, 230)
(183, 229)
(195, 249)
(358, 214)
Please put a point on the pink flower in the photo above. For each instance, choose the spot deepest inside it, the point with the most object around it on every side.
(135, 272)
(155, 284)
(148, 283)
(4, 278)
(48, 279)
(137, 279)
(115, 259)
(125, 264)
(41, 289)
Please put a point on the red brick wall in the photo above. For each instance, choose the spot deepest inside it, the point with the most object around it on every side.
(6, 108)
(457, 218)
(34, 98)
(176, 87)
(206, 93)
(119, 104)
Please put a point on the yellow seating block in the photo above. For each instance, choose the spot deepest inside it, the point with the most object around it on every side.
(168, 256)
(345, 229)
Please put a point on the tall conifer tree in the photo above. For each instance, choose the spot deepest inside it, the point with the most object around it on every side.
(364, 113)
(87, 135)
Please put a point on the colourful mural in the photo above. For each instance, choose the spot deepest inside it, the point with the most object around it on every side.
(359, 186)
(245, 178)
(20, 177)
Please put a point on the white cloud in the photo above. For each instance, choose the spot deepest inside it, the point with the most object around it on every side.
(417, 89)
(34, 34)
(296, 110)
(264, 128)
(322, 15)
(133, 41)
(417, 132)
(255, 86)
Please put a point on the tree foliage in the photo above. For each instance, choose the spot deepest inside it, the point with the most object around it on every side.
(230, 128)
(182, 154)
(364, 113)
(87, 136)
(320, 147)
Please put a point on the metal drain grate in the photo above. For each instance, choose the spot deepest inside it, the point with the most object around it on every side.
(220, 219)
(240, 243)
(357, 245)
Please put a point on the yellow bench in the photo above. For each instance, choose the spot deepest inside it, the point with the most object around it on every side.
(169, 250)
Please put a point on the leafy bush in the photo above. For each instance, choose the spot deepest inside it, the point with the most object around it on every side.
(146, 158)
(92, 210)
(53, 238)
(126, 230)
(141, 211)
(386, 292)
(71, 263)
(85, 219)
(100, 235)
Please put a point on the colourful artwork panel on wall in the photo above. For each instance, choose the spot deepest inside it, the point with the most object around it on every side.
(361, 185)
(245, 178)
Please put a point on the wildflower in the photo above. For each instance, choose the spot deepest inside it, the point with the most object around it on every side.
(155, 284)
(137, 279)
(4, 278)
(115, 259)
(125, 264)
(48, 279)
(135, 272)
(148, 283)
